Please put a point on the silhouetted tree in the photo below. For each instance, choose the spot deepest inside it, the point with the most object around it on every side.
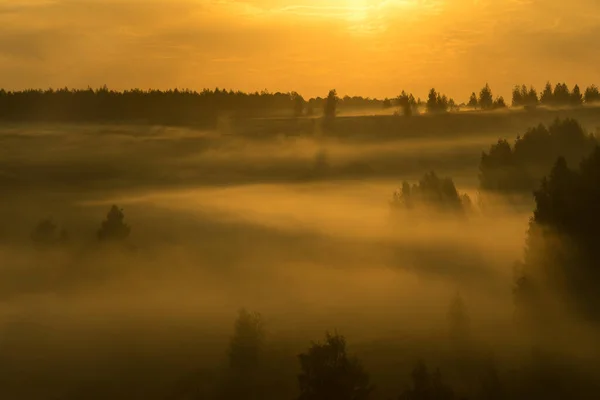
(387, 103)
(473, 102)
(486, 101)
(432, 101)
(331, 104)
(298, 104)
(532, 97)
(328, 373)
(561, 95)
(499, 103)
(576, 96)
(519, 168)
(561, 250)
(407, 103)
(114, 228)
(517, 97)
(592, 94)
(431, 191)
(547, 97)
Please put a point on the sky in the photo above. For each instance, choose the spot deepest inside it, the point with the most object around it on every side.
(371, 48)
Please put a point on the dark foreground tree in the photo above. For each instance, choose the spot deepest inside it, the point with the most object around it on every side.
(114, 228)
(560, 268)
(328, 373)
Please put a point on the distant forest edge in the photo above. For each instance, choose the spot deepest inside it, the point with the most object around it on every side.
(204, 107)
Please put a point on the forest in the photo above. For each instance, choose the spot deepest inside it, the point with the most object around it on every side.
(187, 107)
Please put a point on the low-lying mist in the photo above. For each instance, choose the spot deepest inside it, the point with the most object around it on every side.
(221, 223)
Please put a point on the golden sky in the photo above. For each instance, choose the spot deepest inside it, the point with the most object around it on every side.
(365, 47)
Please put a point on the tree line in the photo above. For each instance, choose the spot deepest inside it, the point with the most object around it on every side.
(158, 106)
(203, 108)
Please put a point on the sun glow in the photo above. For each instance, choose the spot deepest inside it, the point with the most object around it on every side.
(352, 10)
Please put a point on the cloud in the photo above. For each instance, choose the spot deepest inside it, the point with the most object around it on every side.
(370, 47)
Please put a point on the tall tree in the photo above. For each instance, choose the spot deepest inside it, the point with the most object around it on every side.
(561, 254)
(432, 101)
(592, 94)
(299, 103)
(532, 97)
(331, 104)
(499, 102)
(473, 103)
(561, 95)
(518, 98)
(486, 100)
(329, 373)
(547, 97)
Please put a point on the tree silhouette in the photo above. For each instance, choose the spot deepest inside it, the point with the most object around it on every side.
(437, 103)
(298, 104)
(486, 101)
(561, 95)
(473, 102)
(499, 103)
(520, 167)
(576, 96)
(518, 99)
(114, 228)
(331, 104)
(431, 191)
(328, 373)
(407, 103)
(592, 94)
(531, 100)
(432, 101)
(547, 97)
(562, 250)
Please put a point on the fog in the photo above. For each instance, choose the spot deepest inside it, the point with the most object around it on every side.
(298, 228)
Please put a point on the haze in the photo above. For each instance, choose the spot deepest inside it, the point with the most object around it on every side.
(309, 200)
